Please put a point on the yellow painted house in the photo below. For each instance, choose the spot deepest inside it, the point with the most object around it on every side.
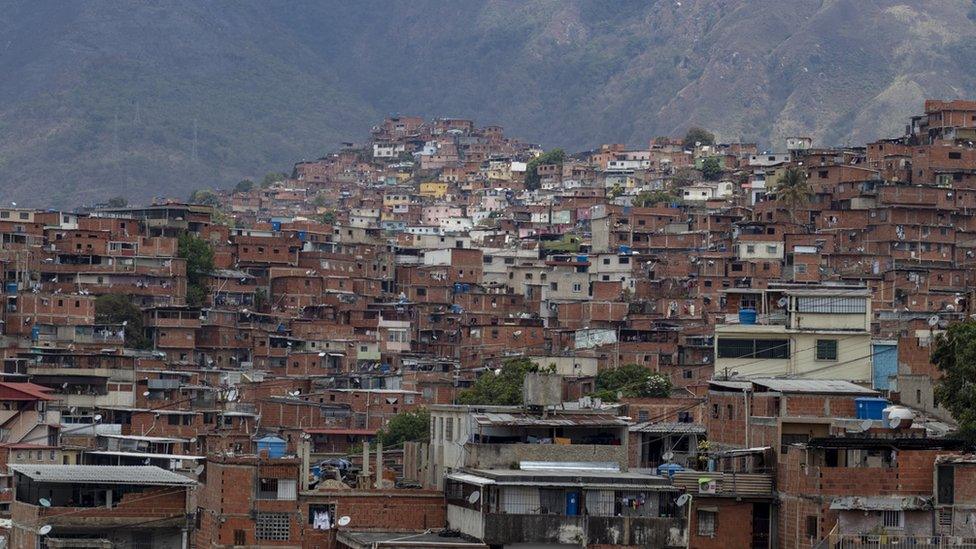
(433, 189)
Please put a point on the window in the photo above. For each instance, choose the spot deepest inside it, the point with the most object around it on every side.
(449, 429)
(577, 287)
(750, 249)
(687, 374)
(714, 411)
(771, 249)
(554, 286)
(730, 411)
(955, 155)
(643, 415)
(893, 519)
(831, 304)
(706, 523)
(240, 537)
(272, 527)
(812, 527)
(826, 349)
(753, 348)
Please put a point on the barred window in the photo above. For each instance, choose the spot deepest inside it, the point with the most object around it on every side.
(753, 348)
(272, 527)
(706, 523)
(826, 349)
(841, 305)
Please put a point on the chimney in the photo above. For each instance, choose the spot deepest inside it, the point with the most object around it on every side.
(379, 464)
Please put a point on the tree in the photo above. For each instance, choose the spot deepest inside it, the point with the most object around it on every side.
(712, 168)
(119, 309)
(631, 380)
(271, 178)
(954, 355)
(406, 426)
(793, 190)
(329, 218)
(555, 156)
(204, 196)
(244, 186)
(646, 199)
(117, 202)
(199, 257)
(502, 387)
(615, 191)
(698, 136)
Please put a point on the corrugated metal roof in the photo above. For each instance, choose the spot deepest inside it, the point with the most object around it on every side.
(881, 503)
(812, 386)
(668, 427)
(557, 420)
(102, 474)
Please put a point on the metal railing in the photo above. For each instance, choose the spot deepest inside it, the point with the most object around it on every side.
(894, 541)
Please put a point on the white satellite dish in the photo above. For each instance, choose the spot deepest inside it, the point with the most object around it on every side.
(933, 320)
(44, 502)
(199, 470)
(474, 497)
(44, 530)
(867, 424)
(321, 354)
(294, 393)
(682, 500)
(344, 521)
(97, 417)
(193, 440)
(668, 456)
(145, 393)
(783, 301)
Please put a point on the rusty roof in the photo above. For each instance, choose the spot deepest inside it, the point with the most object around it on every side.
(555, 420)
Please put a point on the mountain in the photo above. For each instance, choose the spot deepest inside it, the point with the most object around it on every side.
(156, 98)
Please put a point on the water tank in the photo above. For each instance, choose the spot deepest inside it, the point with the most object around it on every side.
(898, 417)
(870, 407)
(274, 445)
(669, 469)
(11, 288)
(747, 316)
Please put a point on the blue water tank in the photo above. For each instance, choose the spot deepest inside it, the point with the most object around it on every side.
(669, 469)
(274, 445)
(747, 316)
(11, 288)
(870, 407)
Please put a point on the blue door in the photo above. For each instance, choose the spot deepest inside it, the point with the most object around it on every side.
(572, 503)
(884, 362)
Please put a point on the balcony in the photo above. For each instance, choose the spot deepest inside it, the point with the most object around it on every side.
(586, 530)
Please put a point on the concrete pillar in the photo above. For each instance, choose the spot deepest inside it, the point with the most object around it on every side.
(365, 471)
(379, 464)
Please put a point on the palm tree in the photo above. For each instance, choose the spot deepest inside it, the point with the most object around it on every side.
(793, 190)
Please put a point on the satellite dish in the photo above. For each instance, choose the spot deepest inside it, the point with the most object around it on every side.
(894, 422)
(682, 500)
(344, 521)
(321, 354)
(232, 395)
(145, 393)
(294, 393)
(474, 497)
(668, 456)
(867, 424)
(193, 440)
(147, 461)
(783, 301)
(933, 320)
(44, 530)
(44, 502)
(97, 417)
(199, 470)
